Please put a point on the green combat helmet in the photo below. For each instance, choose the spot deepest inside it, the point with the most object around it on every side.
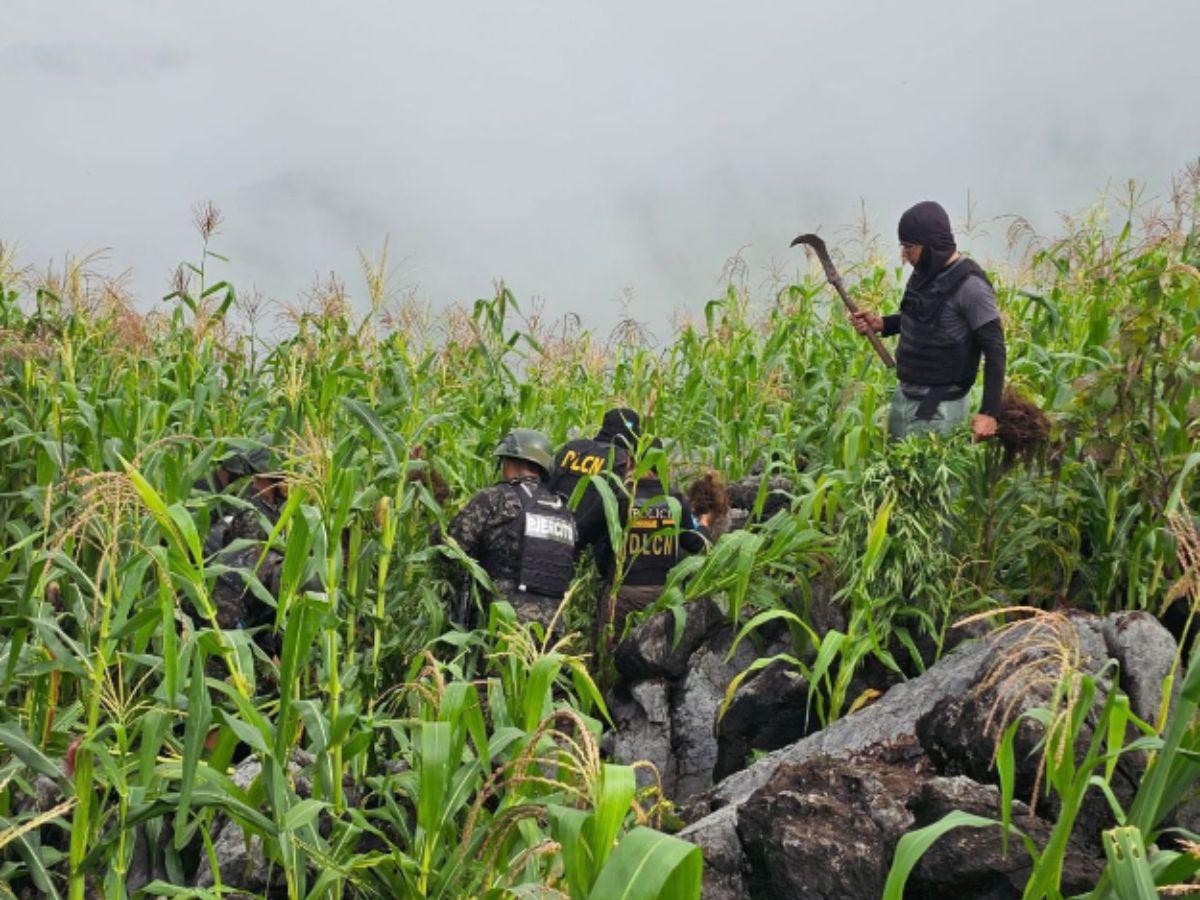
(240, 463)
(528, 445)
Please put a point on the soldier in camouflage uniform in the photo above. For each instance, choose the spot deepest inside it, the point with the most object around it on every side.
(236, 536)
(519, 532)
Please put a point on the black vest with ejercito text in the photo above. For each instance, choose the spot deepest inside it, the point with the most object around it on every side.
(547, 541)
(652, 540)
(927, 354)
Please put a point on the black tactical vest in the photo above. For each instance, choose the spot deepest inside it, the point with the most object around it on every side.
(547, 542)
(927, 354)
(652, 540)
(576, 460)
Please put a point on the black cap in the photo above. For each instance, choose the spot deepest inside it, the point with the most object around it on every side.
(620, 426)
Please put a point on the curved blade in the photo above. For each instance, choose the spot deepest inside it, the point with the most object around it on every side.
(812, 240)
(822, 252)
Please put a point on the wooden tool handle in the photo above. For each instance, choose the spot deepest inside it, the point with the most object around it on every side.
(876, 343)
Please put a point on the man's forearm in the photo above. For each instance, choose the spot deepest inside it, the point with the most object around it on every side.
(995, 357)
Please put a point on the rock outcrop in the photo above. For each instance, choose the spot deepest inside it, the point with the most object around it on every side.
(241, 859)
(743, 496)
(665, 706)
(821, 817)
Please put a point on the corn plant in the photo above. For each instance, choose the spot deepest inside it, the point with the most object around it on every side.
(127, 707)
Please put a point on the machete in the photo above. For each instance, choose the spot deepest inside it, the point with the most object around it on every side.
(831, 273)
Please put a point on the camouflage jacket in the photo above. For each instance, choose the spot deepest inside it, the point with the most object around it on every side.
(488, 529)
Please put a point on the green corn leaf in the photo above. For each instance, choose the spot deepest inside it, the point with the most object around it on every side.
(1131, 873)
(614, 794)
(1170, 867)
(170, 640)
(186, 527)
(831, 645)
(300, 630)
(434, 766)
(650, 865)
(586, 688)
(1115, 736)
(303, 814)
(151, 498)
(763, 618)
(392, 452)
(194, 732)
(1006, 767)
(12, 737)
(296, 557)
(29, 848)
(612, 514)
(567, 827)
(1102, 785)
(877, 535)
(316, 725)
(248, 735)
(537, 696)
(913, 845)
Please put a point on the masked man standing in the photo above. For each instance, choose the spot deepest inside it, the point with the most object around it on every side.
(948, 320)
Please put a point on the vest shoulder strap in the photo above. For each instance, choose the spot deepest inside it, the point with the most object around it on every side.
(960, 272)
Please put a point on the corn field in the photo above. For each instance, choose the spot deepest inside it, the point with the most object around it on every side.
(399, 756)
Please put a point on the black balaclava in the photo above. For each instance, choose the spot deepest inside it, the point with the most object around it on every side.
(620, 426)
(928, 224)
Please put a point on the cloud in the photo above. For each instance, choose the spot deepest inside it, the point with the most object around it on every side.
(76, 59)
(572, 148)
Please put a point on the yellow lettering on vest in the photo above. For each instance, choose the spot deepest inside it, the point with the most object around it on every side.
(663, 545)
(583, 465)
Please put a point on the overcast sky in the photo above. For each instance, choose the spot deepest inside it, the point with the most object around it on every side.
(576, 149)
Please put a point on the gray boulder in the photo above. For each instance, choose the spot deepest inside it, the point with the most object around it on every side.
(890, 719)
(242, 862)
(665, 705)
(651, 650)
(725, 868)
(962, 730)
(241, 859)
(642, 716)
(805, 815)
(694, 711)
(817, 829)
(769, 711)
(972, 862)
(1146, 652)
